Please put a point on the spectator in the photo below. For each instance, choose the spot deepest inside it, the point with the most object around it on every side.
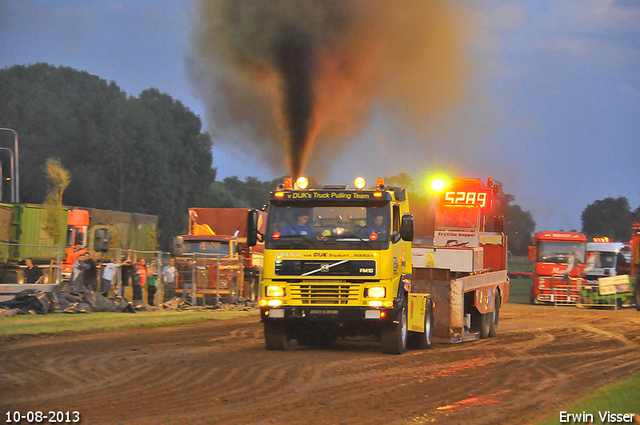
(91, 274)
(108, 274)
(187, 278)
(77, 276)
(125, 274)
(32, 273)
(152, 283)
(169, 273)
(136, 283)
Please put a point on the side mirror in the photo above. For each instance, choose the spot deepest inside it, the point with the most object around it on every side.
(177, 246)
(101, 240)
(252, 227)
(406, 229)
(532, 253)
(498, 223)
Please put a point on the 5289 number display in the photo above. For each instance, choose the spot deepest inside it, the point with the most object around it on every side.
(466, 198)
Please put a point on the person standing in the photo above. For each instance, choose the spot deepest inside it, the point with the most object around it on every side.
(108, 274)
(125, 274)
(169, 274)
(136, 283)
(91, 274)
(187, 278)
(77, 276)
(32, 273)
(152, 283)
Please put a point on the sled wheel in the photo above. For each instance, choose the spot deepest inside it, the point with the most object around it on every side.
(493, 328)
(481, 323)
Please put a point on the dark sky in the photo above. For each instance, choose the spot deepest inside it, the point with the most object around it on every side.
(553, 112)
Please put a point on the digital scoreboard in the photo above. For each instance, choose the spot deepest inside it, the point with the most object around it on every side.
(467, 192)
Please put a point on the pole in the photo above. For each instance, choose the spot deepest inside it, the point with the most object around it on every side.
(17, 175)
(158, 275)
(13, 175)
(218, 283)
(193, 281)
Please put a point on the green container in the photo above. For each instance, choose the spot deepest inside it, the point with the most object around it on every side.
(28, 230)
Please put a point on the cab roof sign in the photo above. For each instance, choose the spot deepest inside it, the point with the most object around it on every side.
(330, 195)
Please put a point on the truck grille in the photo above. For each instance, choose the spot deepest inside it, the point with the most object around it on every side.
(319, 268)
(320, 293)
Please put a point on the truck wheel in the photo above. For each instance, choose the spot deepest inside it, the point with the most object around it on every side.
(420, 340)
(493, 328)
(481, 323)
(394, 335)
(275, 336)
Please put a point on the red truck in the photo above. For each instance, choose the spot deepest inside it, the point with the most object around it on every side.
(559, 260)
(226, 267)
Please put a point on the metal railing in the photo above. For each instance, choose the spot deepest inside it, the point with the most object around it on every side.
(206, 289)
(47, 257)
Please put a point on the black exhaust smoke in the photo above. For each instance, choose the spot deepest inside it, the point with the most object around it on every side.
(293, 59)
(304, 75)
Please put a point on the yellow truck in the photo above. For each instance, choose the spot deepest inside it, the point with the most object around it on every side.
(338, 262)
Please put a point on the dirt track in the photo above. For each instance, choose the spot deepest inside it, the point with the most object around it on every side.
(542, 360)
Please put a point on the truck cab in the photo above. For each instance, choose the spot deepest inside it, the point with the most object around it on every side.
(219, 272)
(337, 262)
(559, 261)
(609, 259)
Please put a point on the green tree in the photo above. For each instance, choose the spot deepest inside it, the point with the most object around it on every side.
(421, 208)
(635, 217)
(608, 217)
(58, 182)
(518, 224)
(142, 154)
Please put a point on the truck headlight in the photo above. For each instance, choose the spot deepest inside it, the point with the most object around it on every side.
(275, 291)
(376, 292)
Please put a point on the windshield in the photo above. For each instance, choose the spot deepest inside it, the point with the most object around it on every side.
(560, 252)
(206, 247)
(458, 217)
(316, 225)
(607, 260)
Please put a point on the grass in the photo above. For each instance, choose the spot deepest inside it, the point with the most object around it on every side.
(51, 323)
(619, 398)
(520, 264)
(519, 289)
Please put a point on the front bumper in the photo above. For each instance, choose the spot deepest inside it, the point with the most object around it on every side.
(334, 314)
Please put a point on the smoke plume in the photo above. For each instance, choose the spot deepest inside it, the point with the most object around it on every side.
(295, 79)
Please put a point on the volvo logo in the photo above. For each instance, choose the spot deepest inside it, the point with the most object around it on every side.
(324, 268)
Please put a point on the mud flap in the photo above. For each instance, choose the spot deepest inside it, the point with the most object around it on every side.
(417, 304)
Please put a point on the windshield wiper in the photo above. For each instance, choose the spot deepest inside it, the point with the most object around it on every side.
(343, 238)
(297, 239)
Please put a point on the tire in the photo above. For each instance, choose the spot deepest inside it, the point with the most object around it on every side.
(481, 323)
(394, 335)
(424, 340)
(493, 327)
(210, 299)
(275, 336)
